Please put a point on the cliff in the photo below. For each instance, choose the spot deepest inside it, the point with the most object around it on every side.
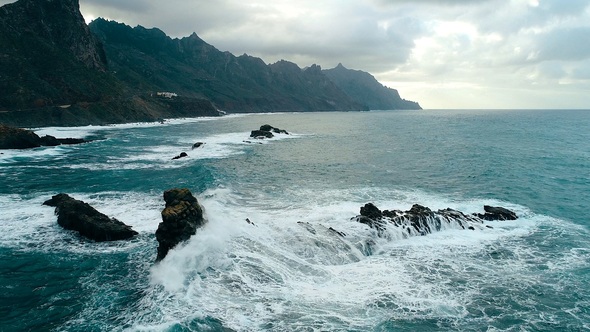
(147, 59)
(53, 71)
(49, 57)
(365, 89)
(56, 70)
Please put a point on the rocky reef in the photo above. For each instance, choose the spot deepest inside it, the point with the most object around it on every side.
(266, 131)
(17, 138)
(421, 220)
(76, 215)
(181, 218)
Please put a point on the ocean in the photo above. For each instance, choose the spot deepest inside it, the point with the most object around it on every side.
(288, 271)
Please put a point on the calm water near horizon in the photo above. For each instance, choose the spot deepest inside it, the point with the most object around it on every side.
(531, 274)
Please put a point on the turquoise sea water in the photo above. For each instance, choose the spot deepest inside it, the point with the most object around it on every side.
(532, 274)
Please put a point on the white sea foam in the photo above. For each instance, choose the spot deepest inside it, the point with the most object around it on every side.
(291, 271)
(36, 154)
(29, 225)
(298, 275)
(85, 131)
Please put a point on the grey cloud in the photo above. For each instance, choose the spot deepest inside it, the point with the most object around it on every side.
(552, 70)
(565, 44)
(561, 7)
(435, 2)
(127, 5)
(582, 71)
(513, 41)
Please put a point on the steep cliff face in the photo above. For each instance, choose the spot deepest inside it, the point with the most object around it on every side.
(49, 57)
(53, 71)
(148, 59)
(56, 70)
(46, 21)
(365, 89)
(58, 22)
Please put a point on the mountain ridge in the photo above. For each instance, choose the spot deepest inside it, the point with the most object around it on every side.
(57, 70)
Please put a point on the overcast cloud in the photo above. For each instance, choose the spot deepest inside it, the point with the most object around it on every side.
(441, 53)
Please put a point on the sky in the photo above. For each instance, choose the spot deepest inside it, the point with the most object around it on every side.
(441, 53)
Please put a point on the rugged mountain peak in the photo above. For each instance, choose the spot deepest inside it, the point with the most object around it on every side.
(313, 69)
(57, 22)
(195, 36)
(366, 90)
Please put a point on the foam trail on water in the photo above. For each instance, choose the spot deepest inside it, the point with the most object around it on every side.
(290, 271)
(29, 225)
(85, 131)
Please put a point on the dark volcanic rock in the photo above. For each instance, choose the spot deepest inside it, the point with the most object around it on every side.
(79, 216)
(266, 131)
(49, 140)
(268, 127)
(17, 138)
(496, 213)
(181, 155)
(198, 145)
(371, 211)
(421, 220)
(261, 134)
(180, 219)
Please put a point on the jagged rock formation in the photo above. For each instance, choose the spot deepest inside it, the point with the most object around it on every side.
(180, 219)
(420, 220)
(16, 138)
(266, 131)
(365, 89)
(496, 213)
(76, 215)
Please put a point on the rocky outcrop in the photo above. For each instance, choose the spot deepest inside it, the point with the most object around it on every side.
(181, 218)
(497, 213)
(76, 215)
(421, 220)
(181, 155)
(276, 130)
(17, 138)
(266, 131)
(261, 134)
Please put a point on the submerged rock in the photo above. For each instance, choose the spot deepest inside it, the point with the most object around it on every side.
(76, 215)
(198, 145)
(421, 220)
(180, 219)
